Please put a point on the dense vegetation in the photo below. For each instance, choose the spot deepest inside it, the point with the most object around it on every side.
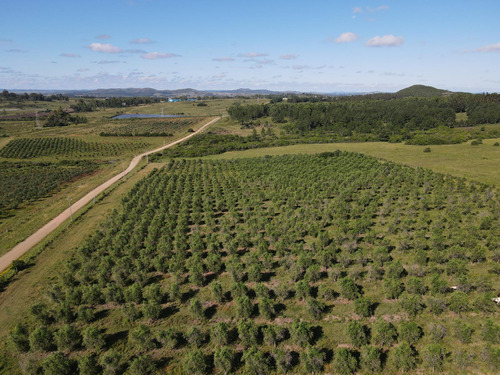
(24, 148)
(89, 105)
(60, 117)
(150, 127)
(334, 263)
(12, 97)
(22, 182)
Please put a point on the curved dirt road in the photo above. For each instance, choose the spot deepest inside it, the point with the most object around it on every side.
(17, 251)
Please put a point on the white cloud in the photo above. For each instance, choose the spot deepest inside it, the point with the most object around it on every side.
(104, 62)
(106, 48)
(346, 38)
(83, 70)
(489, 48)
(141, 41)
(289, 56)
(224, 58)
(385, 41)
(253, 54)
(157, 55)
(103, 36)
(378, 9)
(357, 10)
(69, 55)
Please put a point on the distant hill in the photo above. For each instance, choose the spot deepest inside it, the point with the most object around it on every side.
(422, 92)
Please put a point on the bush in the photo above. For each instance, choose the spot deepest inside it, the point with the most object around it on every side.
(345, 362)
(371, 360)
(255, 362)
(410, 332)
(312, 360)
(195, 363)
(141, 338)
(88, 365)
(41, 339)
(364, 306)
(356, 333)
(403, 357)
(57, 364)
(223, 359)
(384, 333)
(427, 149)
(19, 338)
(142, 365)
(433, 357)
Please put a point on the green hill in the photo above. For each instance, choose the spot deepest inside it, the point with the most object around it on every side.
(421, 91)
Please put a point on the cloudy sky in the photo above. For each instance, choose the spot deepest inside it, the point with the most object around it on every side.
(315, 45)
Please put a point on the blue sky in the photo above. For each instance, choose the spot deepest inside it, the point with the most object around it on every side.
(318, 45)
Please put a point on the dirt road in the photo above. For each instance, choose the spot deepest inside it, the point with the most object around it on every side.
(17, 251)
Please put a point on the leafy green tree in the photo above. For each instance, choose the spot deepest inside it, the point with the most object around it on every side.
(459, 302)
(283, 360)
(312, 360)
(315, 308)
(41, 339)
(141, 338)
(371, 360)
(433, 357)
(151, 310)
(345, 362)
(57, 364)
(410, 332)
(244, 307)
(364, 306)
(302, 289)
(490, 332)
(19, 338)
(153, 293)
(168, 338)
(436, 305)
(255, 362)
(194, 337)
(130, 312)
(384, 333)
(195, 363)
(219, 334)
(86, 314)
(238, 290)
(93, 338)
(348, 288)
(302, 333)
(196, 309)
(89, 365)
(393, 288)
(223, 359)
(142, 365)
(266, 308)
(174, 292)
(463, 332)
(411, 303)
(68, 338)
(403, 357)
(247, 332)
(356, 333)
(110, 362)
(216, 291)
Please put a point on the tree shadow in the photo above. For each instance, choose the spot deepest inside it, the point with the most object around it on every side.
(317, 334)
(188, 295)
(210, 311)
(168, 311)
(113, 338)
(266, 276)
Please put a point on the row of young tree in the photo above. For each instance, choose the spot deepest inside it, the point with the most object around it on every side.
(299, 255)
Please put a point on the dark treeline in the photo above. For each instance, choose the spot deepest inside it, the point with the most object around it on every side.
(89, 105)
(10, 96)
(384, 117)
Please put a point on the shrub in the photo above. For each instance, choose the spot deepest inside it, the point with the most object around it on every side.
(356, 333)
(364, 306)
(427, 149)
(41, 339)
(312, 360)
(57, 364)
(345, 362)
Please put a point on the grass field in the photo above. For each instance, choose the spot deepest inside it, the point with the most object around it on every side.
(481, 163)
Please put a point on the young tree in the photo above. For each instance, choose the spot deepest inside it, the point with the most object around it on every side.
(459, 302)
(141, 338)
(174, 292)
(195, 363)
(384, 333)
(244, 307)
(371, 360)
(433, 357)
(348, 288)
(247, 332)
(315, 308)
(68, 338)
(168, 338)
(223, 359)
(266, 308)
(88, 365)
(283, 360)
(41, 339)
(490, 332)
(196, 309)
(312, 360)
(403, 357)
(216, 291)
(255, 362)
(57, 364)
(364, 306)
(93, 338)
(356, 334)
(219, 334)
(142, 365)
(194, 337)
(302, 333)
(411, 303)
(410, 332)
(110, 362)
(345, 362)
(19, 338)
(463, 332)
